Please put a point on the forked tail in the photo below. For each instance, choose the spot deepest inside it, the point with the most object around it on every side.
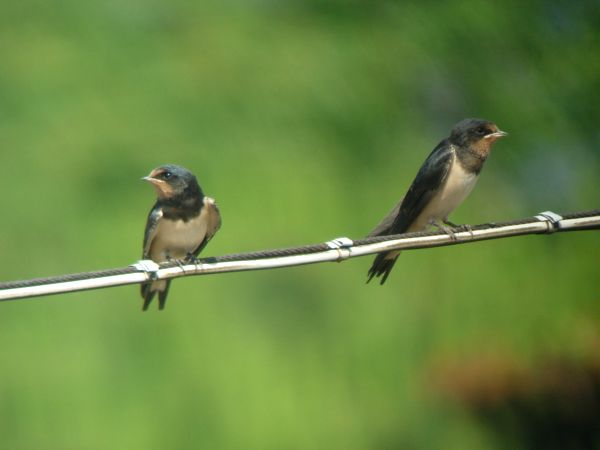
(149, 290)
(382, 266)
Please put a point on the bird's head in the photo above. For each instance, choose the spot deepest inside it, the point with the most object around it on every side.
(478, 134)
(171, 181)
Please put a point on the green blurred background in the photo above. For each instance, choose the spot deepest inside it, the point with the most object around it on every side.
(306, 120)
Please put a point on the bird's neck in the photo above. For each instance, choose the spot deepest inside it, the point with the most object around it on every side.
(184, 206)
(472, 157)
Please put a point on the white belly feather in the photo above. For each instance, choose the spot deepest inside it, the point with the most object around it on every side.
(175, 239)
(457, 187)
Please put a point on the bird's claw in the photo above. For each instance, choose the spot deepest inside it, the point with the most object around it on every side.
(466, 227)
(191, 259)
(446, 228)
(458, 228)
(177, 262)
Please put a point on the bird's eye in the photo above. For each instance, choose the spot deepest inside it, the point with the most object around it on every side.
(481, 131)
(167, 175)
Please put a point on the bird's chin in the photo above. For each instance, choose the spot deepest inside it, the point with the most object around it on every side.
(163, 190)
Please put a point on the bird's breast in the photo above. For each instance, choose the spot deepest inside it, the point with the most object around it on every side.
(176, 238)
(458, 185)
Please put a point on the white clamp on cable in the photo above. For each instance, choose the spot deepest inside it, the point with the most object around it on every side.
(551, 218)
(147, 266)
(343, 245)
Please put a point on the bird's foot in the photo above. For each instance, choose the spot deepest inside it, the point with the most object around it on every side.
(458, 228)
(191, 259)
(177, 262)
(466, 227)
(444, 226)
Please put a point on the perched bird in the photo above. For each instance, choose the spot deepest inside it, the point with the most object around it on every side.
(179, 225)
(445, 179)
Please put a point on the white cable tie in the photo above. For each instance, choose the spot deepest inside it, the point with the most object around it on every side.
(147, 266)
(550, 217)
(340, 242)
(342, 245)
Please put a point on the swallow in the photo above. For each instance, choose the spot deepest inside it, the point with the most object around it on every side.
(445, 179)
(179, 225)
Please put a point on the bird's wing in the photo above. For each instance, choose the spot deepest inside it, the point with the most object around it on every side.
(429, 179)
(384, 226)
(151, 228)
(213, 222)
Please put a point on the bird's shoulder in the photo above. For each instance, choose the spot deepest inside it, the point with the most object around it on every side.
(211, 214)
(155, 213)
(154, 217)
(435, 168)
(210, 203)
(441, 155)
(214, 214)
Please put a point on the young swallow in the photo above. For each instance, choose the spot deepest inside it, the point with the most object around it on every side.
(179, 225)
(445, 179)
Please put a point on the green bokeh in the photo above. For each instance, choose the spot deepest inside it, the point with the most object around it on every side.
(306, 120)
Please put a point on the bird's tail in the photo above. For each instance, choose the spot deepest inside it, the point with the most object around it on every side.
(382, 265)
(149, 290)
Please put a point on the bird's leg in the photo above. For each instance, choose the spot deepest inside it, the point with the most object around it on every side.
(463, 227)
(190, 258)
(442, 225)
(176, 261)
(467, 227)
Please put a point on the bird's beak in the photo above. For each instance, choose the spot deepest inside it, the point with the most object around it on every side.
(162, 187)
(150, 179)
(497, 135)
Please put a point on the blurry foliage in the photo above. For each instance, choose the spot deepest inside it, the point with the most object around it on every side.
(306, 120)
(554, 405)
